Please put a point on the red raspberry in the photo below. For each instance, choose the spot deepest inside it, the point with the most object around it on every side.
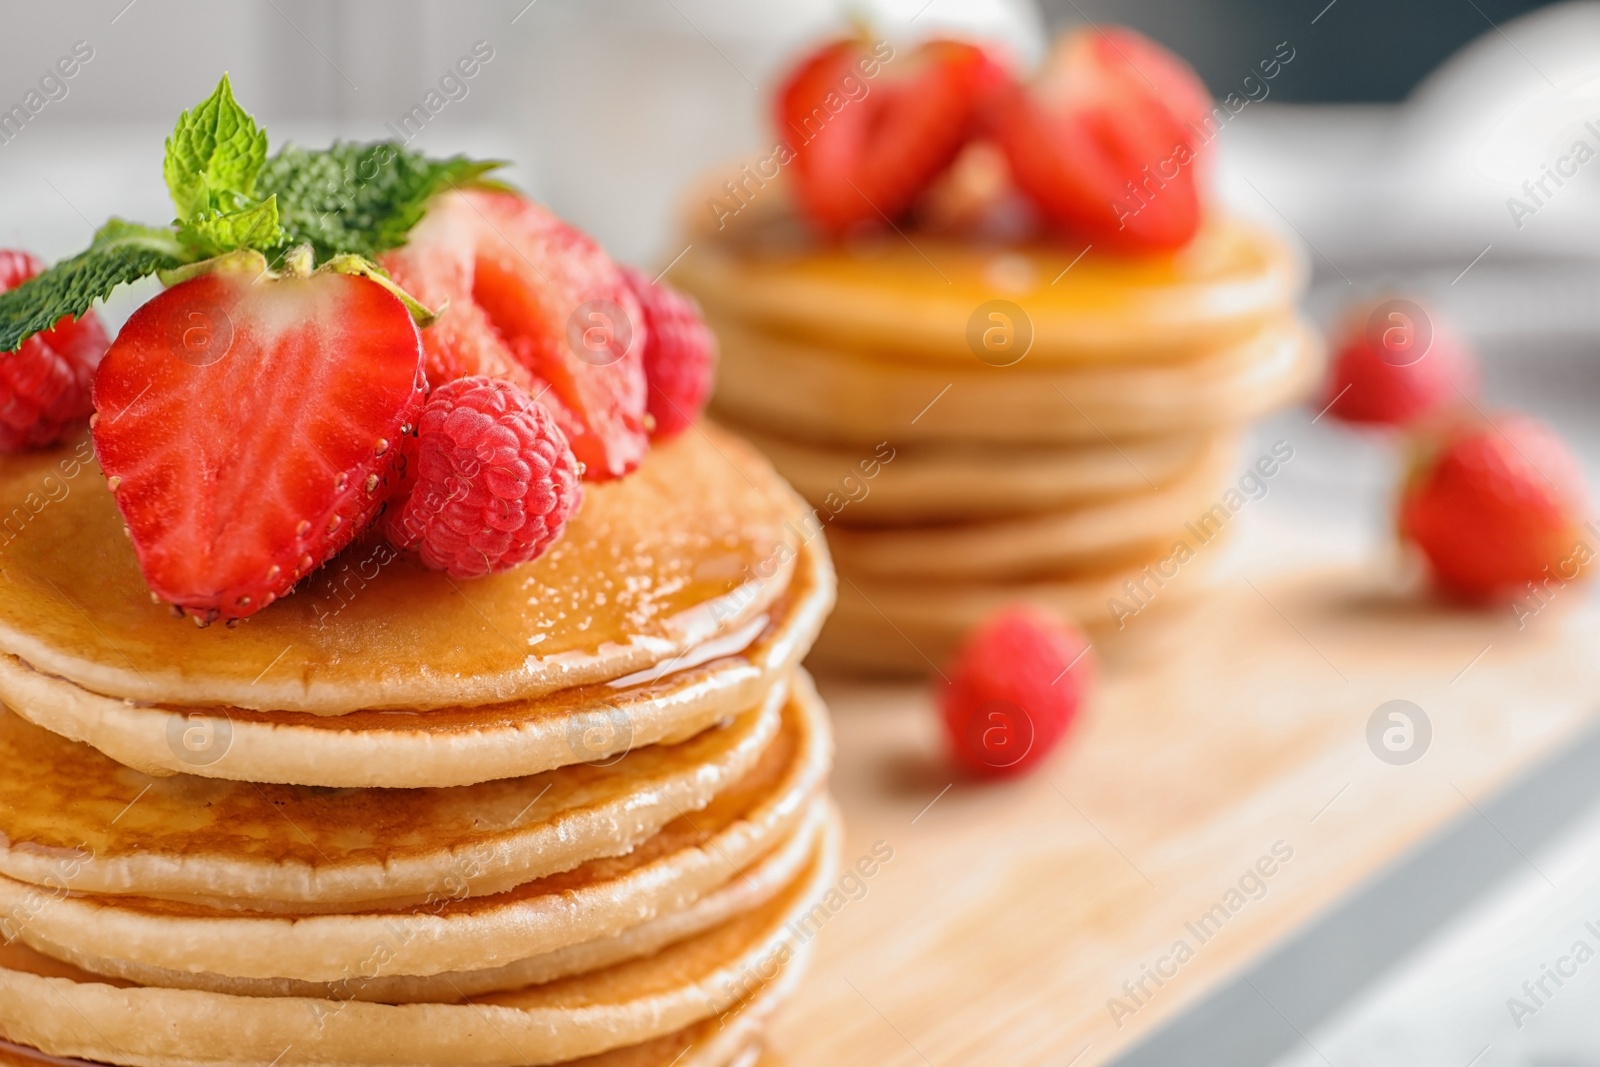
(1013, 689)
(1495, 507)
(680, 356)
(44, 385)
(493, 480)
(1396, 365)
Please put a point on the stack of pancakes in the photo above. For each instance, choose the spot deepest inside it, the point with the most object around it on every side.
(575, 812)
(977, 422)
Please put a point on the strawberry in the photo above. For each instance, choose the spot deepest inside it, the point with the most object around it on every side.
(869, 133)
(1012, 690)
(533, 301)
(1495, 506)
(1396, 365)
(44, 385)
(680, 358)
(494, 481)
(247, 428)
(1105, 142)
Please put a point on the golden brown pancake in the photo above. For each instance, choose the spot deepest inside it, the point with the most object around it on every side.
(807, 392)
(948, 482)
(900, 627)
(457, 929)
(644, 572)
(732, 1039)
(919, 294)
(60, 1010)
(752, 886)
(1091, 535)
(445, 746)
(71, 816)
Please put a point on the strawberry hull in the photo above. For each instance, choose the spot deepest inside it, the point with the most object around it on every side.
(249, 430)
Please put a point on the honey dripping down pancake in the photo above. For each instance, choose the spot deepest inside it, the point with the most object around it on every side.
(750, 887)
(644, 572)
(765, 271)
(205, 839)
(700, 978)
(449, 745)
(460, 928)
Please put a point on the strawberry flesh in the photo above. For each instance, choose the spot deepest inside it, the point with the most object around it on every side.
(1106, 143)
(248, 429)
(536, 302)
(866, 147)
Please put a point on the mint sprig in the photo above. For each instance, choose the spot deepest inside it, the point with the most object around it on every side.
(346, 200)
(122, 252)
(214, 155)
(359, 198)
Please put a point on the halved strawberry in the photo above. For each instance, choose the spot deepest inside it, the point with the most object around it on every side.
(866, 144)
(1106, 141)
(246, 428)
(529, 299)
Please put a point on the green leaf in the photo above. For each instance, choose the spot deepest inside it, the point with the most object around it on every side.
(359, 198)
(214, 156)
(212, 233)
(121, 252)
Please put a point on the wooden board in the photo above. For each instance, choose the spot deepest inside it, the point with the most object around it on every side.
(1011, 913)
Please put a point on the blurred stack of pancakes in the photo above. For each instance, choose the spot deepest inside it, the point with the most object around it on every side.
(575, 812)
(978, 422)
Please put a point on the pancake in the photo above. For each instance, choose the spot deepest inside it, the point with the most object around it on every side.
(61, 1010)
(732, 1039)
(692, 855)
(901, 627)
(644, 572)
(1089, 535)
(750, 888)
(806, 392)
(942, 483)
(71, 816)
(445, 746)
(918, 294)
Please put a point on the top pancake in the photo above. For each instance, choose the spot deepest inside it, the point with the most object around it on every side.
(694, 544)
(921, 293)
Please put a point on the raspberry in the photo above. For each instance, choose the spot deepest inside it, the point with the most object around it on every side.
(679, 357)
(1013, 688)
(493, 483)
(44, 385)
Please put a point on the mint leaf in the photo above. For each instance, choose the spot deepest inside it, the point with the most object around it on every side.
(212, 233)
(214, 155)
(359, 198)
(121, 252)
(351, 200)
